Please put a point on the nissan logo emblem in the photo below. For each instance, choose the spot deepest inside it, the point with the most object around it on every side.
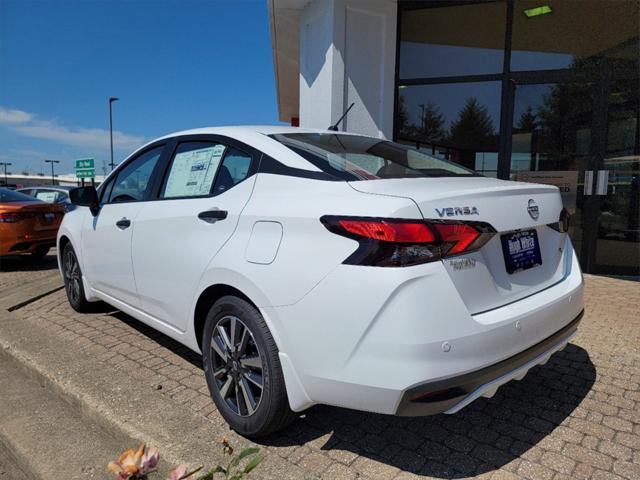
(532, 208)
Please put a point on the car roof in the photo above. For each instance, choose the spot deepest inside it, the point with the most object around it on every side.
(66, 188)
(256, 136)
(233, 130)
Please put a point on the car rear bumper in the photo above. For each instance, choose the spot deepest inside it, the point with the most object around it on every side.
(393, 333)
(450, 395)
(15, 246)
(24, 247)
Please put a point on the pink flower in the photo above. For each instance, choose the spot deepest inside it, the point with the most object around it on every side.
(149, 461)
(179, 472)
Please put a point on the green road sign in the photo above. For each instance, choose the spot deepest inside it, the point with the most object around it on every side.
(86, 173)
(85, 168)
(85, 163)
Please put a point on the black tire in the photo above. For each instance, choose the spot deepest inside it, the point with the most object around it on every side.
(73, 281)
(40, 252)
(233, 382)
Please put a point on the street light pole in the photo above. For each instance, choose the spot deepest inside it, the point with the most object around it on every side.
(111, 100)
(5, 164)
(53, 178)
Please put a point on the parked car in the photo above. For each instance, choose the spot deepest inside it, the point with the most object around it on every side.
(51, 194)
(320, 267)
(27, 225)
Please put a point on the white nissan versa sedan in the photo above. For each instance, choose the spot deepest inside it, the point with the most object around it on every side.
(320, 267)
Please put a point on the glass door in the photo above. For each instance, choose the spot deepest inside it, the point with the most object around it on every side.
(617, 183)
(583, 137)
(551, 143)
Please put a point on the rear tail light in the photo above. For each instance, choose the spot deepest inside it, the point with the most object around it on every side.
(562, 225)
(387, 242)
(398, 232)
(13, 217)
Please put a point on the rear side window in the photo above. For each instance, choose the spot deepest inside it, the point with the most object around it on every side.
(235, 168)
(133, 180)
(49, 196)
(200, 169)
(193, 168)
(355, 157)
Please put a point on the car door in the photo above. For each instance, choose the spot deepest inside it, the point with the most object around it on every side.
(106, 238)
(206, 186)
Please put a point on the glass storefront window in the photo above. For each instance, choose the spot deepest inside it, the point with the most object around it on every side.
(575, 34)
(571, 89)
(459, 122)
(618, 245)
(452, 40)
(551, 141)
(551, 127)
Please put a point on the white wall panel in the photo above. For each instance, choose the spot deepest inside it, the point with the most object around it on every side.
(347, 50)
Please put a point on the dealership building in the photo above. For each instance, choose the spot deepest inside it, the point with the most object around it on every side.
(541, 91)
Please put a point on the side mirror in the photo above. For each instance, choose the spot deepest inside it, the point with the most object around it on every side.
(86, 197)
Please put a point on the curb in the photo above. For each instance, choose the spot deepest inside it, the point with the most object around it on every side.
(88, 412)
(129, 412)
(23, 463)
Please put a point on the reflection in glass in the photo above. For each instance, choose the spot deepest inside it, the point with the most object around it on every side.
(551, 127)
(551, 141)
(452, 40)
(618, 248)
(458, 122)
(578, 33)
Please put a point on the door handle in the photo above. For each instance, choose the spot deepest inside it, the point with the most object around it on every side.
(212, 216)
(602, 184)
(588, 182)
(123, 223)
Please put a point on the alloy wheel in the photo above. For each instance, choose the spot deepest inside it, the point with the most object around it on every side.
(237, 365)
(72, 276)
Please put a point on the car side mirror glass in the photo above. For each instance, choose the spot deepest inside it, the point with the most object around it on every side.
(86, 197)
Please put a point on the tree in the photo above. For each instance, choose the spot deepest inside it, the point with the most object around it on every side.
(402, 118)
(527, 121)
(473, 129)
(431, 124)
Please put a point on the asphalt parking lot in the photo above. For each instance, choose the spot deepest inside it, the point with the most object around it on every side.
(578, 416)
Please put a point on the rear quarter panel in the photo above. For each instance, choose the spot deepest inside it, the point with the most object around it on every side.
(307, 252)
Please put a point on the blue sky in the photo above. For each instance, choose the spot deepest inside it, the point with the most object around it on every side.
(174, 65)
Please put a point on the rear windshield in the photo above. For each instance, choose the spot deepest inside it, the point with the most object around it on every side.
(354, 157)
(7, 196)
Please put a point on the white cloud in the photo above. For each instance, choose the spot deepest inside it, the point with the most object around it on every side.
(29, 125)
(14, 117)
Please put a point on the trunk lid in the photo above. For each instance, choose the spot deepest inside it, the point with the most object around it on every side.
(39, 218)
(481, 277)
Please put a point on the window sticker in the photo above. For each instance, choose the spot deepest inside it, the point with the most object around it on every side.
(192, 172)
(48, 197)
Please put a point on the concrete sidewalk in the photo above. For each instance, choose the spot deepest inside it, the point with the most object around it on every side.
(43, 436)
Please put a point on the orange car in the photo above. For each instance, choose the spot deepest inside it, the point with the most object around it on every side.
(27, 225)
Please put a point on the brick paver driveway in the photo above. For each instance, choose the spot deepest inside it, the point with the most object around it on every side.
(578, 416)
(16, 271)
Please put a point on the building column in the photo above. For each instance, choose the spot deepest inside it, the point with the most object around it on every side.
(347, 54)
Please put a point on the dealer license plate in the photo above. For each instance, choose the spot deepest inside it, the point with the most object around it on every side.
(521, 250)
